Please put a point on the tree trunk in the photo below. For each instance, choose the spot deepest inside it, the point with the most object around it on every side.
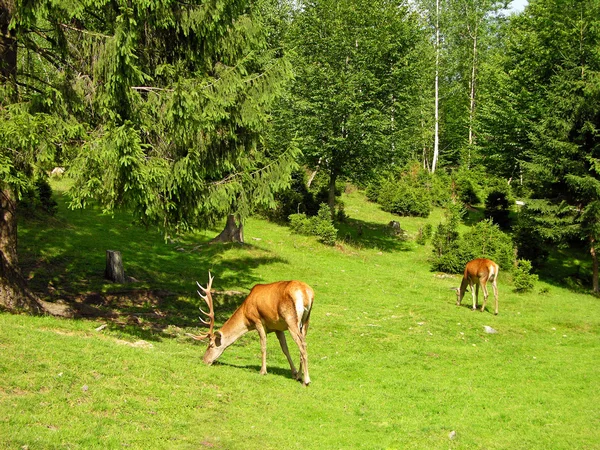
(114, 267)
(472, 94)
(594, 265)
(8, 44)
(331, 193)
(436, 137)
(232, 232)
(14, 293)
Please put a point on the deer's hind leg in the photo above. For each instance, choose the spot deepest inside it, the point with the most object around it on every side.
(298, 337)
(286, 352)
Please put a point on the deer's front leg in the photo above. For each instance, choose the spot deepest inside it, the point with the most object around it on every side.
(263, 347)
(474, 294)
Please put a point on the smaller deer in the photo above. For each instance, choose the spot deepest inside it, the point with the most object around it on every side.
(280, 306)
(479, 272)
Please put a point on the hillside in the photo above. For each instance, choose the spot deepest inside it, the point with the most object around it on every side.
(394, 363)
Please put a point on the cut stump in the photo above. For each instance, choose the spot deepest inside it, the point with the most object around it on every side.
(114, 267)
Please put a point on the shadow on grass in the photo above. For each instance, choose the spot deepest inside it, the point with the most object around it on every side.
(279, 371)
(473, 215)
(568, 267)
(371, 235)
(64, 258)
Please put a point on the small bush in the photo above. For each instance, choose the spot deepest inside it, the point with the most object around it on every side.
(524, 280)
(39, 197)
(404, 199)
(465, 187)
(319, 225)
(424, 234)
(373, 189)
(485, 240)
(445, 243)
(295, 199)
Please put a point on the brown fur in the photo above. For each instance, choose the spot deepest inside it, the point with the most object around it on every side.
(268, 308)
(477, 273)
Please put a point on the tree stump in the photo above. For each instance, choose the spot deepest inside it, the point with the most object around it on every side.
(114, 267)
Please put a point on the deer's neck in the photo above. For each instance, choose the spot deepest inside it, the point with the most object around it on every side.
(234, 328)
(464, 284)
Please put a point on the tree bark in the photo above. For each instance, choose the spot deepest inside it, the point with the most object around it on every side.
(114, 267)
(14, 293)
(331, 193)
(8, 44)
(594, 265)
(232, 232)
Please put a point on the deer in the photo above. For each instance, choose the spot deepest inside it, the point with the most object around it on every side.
(479, 272)
(274, 307)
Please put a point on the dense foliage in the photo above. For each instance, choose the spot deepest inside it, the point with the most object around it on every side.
(452, 251)
(320, 225)
(188, 112)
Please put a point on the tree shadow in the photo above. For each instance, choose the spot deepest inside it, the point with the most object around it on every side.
(372, 235)
(569, 268)
(64, 258)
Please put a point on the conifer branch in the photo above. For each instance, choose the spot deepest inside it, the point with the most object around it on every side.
(233, 176)
(150, 88)
(79, 30)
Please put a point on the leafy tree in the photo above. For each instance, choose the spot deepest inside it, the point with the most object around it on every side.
(156, 107)
(354, 73)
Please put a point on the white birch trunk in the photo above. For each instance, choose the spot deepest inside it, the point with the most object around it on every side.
(436, 138)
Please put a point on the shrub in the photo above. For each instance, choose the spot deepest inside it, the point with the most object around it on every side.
(299, 198)
(295, 199)
(319, 225)
(373, 189)
(524, 280)
(39, 196)
(465, 186)
(485, 240)
(424, 234)
(405, 200)
(445, 242)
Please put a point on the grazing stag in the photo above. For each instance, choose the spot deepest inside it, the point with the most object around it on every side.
(280, 306)
(478, 272)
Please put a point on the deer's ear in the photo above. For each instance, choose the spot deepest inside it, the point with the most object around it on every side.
(218, 339)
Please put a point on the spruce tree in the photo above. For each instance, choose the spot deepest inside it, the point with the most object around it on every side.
(159, 107)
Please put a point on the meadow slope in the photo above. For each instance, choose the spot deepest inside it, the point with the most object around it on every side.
(394, 363)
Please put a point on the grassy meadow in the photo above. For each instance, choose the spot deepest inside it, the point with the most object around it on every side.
(394, 363)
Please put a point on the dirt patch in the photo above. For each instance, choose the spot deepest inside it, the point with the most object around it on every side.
(146, 310)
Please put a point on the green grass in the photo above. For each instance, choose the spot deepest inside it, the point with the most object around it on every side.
(394, 363)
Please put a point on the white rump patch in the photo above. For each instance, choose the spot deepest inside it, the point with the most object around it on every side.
(300, 310)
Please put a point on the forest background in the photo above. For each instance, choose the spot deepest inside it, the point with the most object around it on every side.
(187, 113)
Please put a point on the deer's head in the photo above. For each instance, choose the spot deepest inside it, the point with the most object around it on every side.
(215, 344)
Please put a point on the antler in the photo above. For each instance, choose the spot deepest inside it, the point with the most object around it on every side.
(211, 312)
